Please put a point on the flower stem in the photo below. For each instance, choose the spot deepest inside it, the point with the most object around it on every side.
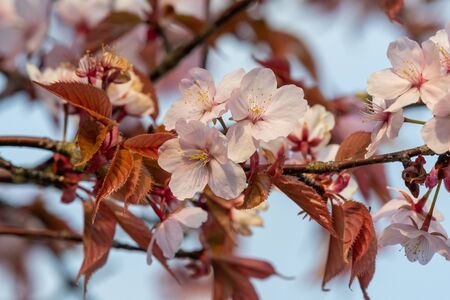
(413, 121)
(66, 121)
(224, 126)
(426, 223)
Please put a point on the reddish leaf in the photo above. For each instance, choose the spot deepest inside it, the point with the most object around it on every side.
(137, 185)
(392, 8)
(90, 137)
(83, 96)
(372, 178)
(354, 146)
(117, 174)
(279, 65)
(97, 239)
(248, 267)
(192, 23)
(220, 211)
(307, 198)
(160, 177)
(112, 27)
(257, 191)
(335, 259)
(364, 245)
(147, 144)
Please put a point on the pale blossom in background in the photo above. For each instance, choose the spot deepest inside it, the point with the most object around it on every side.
(82, 14)
(262, 111)
(419, 245)
(201, 99)
(169, 234)
(436, 131)
(441, 39)
(198, 157)
(387, 122)
(130, 95)
(415, 74)
(243, 219)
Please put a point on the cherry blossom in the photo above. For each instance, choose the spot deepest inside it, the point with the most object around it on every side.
(23, 24)
(313, 131)
(387, 122)
(419, 245)
(441, 39)
(130, 95)
(436, 132)
(243, 219)
(415, 74)
(170, 232)
(198, 157)
(406, 207)
(201, 100)
(263, 112)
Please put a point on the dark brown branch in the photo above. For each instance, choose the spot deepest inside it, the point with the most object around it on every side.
(24, 175)
(174, 57)
(36, 142)
(44, 234)
(326, 167)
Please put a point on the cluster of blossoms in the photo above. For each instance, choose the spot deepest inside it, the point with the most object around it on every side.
(107, 71)
(419, 73)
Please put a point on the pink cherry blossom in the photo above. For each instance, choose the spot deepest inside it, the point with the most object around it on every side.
(415, 74)
(419, 245)
(263, 112)
(170, 232)
(130, 96)
(201, 100)
(387, 122)
(435, 132)
(198, 157)
(441, 39)
(406, 207)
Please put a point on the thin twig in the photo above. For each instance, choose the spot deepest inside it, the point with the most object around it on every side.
(36, 142)
(24, 175)
(44, 234)
(326, 167)
(173, 58)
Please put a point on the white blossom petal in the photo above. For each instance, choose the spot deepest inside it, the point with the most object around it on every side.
(229, 83)
(169, 236)
(240, 142)
(191, 217)
(436, 134)
(387, 85)
(227, 180)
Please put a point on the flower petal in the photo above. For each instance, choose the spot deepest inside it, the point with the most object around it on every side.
(419, 249)
(436, 134)
(389, 209)
(434, 90)
(386, 84)
(169, 236)
(191, 177)
(240, 142)
(395, 122)
(191, 217)
(406, 54)
(229, 83)
(258, 85)
(182, 110)
(226, 180)
(410, 97)
(170, 155)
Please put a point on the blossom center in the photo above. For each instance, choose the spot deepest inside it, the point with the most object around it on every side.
(411, 73)
(202, 157)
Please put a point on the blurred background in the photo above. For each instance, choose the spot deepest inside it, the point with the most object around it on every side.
(348, 41)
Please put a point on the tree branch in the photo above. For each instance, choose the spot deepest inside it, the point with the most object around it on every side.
(23, 175)
(36, 142)
(326, 167)
(44, 234)
(174, 57)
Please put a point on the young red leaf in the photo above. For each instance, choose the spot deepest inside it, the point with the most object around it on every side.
(97, 239)
(257, 191)
(90, 137)
(137, 185)
(372, 178)
(117, 174)
(307, 198)
(147, 144)
(354, 146)
(248, 267)
(112, 27)
(83, 96)
(392, 8)
(364, 246)
(232, 284)
(335, 263)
